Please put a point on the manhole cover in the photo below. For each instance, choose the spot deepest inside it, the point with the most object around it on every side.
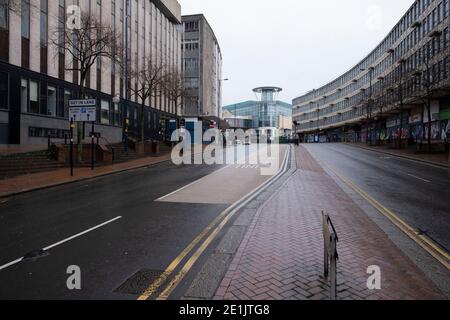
(139, 282)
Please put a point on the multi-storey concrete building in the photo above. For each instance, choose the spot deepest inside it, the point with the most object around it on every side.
(36, 85)
(202, 68)
(385, 98)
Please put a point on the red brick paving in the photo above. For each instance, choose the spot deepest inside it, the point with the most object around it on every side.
(281, 256)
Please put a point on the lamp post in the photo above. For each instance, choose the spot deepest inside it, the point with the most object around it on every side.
(180, 29)
(318, 123)
(126, 76)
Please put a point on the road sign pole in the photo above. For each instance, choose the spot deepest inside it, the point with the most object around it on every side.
(71, 147)
(92, 146)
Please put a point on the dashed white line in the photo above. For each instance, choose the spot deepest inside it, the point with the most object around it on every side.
(9, 264)
(419, 178)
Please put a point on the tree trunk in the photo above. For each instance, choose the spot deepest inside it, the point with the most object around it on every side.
(401, 126)
(143, 121)
(429, 125)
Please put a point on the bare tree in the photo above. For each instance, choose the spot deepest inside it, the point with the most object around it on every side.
(176, 91)
(149, 80)
(10, 5)
(86, 44)
(424, 78)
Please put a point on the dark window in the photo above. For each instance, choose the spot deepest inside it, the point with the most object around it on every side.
(61, 40)
(29, 96)
(3, 15)
(44, 23)
(44, 35)
(52, 100)
(4, 90)
(25, 12)
(35, 132)
(34, 96)
(25, 31)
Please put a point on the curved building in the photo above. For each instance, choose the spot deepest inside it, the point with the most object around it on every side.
(394, 93)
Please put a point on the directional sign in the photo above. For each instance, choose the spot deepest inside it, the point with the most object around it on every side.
(83, 114)
(83, 103)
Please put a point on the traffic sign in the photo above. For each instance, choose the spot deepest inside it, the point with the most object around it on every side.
(83, 114)
(83, 103)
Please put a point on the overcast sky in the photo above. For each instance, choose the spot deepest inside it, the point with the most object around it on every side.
(294, 44)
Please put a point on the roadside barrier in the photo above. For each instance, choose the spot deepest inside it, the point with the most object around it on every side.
(331, 256)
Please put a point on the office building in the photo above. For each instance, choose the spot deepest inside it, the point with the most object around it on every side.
(202, 68)
(36, 81)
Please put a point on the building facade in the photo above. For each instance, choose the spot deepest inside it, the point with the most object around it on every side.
(267, 113)
(392, 95)
(36, 83)
(202, 68)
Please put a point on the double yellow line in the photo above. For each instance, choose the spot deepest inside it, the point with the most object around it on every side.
(221, 221)
(422, 240)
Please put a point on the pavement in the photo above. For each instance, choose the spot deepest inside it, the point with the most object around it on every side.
(281, 256)
(37, 181)
(16, 149)
(439, 159)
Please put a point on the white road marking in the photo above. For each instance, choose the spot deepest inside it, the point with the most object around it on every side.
(189, 185)
(10, 264)
(419, 178)
(63, 241)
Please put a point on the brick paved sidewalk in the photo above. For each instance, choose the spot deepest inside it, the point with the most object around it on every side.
(42, 180)
(281, 257)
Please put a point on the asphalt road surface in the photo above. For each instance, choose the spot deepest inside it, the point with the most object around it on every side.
(419, 193)
(112, 228)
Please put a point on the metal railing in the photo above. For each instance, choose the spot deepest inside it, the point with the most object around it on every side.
(331, 256)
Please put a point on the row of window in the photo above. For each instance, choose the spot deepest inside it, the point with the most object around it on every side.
(412, 63)
(190, 45)
(159, 32)
(53, 101)
(191, 64)
(436, 73)
(191, 26)
(410, 20)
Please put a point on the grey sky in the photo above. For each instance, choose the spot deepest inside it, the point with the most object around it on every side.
(294, 44)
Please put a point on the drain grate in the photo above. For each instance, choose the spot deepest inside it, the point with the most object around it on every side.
(139, 282)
